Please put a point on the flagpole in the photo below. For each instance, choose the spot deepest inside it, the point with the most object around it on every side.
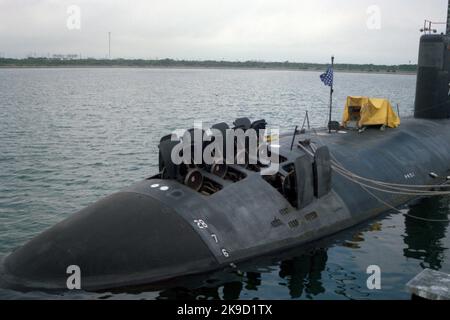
(331, 96)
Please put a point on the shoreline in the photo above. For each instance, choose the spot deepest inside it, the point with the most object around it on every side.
(198, 67)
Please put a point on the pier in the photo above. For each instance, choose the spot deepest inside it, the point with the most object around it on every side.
(430, 285)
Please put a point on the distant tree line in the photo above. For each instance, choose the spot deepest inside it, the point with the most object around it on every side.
(90, 62)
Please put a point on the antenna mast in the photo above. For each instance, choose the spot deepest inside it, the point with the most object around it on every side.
(428, 24)
(448, 19)
(109, 44)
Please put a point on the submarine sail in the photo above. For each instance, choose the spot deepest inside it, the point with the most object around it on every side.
(433, 78)
(433, 75)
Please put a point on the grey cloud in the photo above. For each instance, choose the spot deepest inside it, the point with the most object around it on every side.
(294, 30)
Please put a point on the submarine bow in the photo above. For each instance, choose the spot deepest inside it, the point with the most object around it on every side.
(122, 239)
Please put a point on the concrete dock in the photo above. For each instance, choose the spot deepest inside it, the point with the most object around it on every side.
(430, 285)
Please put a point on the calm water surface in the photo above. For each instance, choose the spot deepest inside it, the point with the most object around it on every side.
(71, 136)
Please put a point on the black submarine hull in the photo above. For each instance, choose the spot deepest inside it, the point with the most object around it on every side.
(160, 229)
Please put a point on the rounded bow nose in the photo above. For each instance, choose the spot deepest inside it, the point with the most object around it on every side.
(124, 239)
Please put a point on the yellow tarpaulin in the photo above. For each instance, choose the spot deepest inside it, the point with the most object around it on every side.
(372, 111)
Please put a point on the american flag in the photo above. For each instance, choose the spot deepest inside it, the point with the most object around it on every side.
(327, 77)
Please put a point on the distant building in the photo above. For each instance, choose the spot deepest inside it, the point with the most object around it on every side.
(65, 56)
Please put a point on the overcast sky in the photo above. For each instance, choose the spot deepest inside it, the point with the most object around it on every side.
(275, 30)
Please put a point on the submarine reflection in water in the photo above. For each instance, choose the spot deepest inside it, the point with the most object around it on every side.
(299, 274)
(424, 239)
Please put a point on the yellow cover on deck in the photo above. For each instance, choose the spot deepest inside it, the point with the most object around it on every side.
(373, 111)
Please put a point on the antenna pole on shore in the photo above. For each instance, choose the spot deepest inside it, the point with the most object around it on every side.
(109, 45)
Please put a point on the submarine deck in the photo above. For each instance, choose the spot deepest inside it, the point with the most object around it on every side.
(371, 138)
(404, 155)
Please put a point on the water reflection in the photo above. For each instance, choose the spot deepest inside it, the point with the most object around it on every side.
(299, 272)
(357, 238)
(304, 273)
(423, 239)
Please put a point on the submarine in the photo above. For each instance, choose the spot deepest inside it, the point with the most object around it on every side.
(192, 219)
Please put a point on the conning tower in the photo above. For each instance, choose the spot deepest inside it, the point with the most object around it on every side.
(433, 74)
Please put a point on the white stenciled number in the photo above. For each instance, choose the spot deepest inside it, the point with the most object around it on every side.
(201, 224)
(225, 253)
(215, 238)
